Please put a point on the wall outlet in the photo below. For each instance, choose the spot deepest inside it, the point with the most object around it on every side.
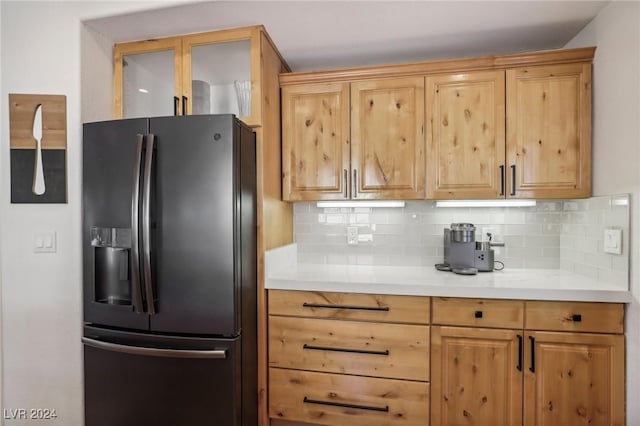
(613, 240)
(352, 235)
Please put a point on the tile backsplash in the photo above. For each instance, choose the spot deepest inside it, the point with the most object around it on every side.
(566, 234)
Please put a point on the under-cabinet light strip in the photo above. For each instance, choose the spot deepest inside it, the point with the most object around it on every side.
(485, 203)
(323, 204)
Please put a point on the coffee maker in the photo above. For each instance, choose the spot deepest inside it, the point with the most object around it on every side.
(463, 254)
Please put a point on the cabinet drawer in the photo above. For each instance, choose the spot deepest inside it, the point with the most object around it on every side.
(478, 312)
(365, 307)
(332, 399)
(575, 316)
(398, 351)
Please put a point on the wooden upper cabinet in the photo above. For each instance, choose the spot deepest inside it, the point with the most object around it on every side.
(549, 131)
(465, 135)
(574, 379)
(315, 142)
(387, 139)
(148, 78)
(218, 72)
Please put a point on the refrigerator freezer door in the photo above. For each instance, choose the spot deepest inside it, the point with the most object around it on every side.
(111, 294)
(196, 214)
(143, 380)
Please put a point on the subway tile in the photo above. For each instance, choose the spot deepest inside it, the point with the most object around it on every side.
(549, 206)
(529, 229)
(522, 252)
(552, 228)
(513, 240)
(513, 263)
(551, 252)
(602, 261)
(301, 207)
(541, 241)
(541, 263)
(570, 206)
(598, 203)
(617, 278)
(587, 271)
(619, 263)
(569, 231)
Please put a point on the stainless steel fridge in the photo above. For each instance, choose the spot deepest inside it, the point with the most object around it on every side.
(169, 272)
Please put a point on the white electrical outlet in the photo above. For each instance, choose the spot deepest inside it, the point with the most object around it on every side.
(613, 240)
(352, 235)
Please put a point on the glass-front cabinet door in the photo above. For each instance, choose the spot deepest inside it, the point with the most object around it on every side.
(221, 73)
(148, 76)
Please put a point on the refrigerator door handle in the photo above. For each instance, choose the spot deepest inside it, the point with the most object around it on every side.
(135, 242)
(166, 353)
(146, 224)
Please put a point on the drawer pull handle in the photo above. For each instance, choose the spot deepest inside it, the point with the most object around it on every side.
(384, 409)
(356, 351)
(576, 318)
(360, 308)
(478, 314)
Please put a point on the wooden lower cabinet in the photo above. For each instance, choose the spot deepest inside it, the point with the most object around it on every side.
(518, 375)
(336, 399)
(476, 376)
(574, 379)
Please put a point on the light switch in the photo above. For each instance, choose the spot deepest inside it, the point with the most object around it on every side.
(613, 240)
(44, 242)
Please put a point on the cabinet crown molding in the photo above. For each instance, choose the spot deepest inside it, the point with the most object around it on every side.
(514, 60)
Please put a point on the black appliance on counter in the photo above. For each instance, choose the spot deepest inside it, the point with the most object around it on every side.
(169, 271)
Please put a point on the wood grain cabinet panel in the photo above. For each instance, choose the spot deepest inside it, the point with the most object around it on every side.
(383, 350)
(316, 149)
(478, 312)
(347, 358)
(574, 379)
(334, 399)
(575, 316)
(476, 377)
(350, 306)
(542, 377)
(465, 135)
(387, 137)
(549, 131)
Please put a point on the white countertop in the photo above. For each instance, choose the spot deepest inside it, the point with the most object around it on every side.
(285, 273)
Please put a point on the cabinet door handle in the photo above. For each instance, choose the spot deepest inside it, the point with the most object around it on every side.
(176, 104)
(355, 183)
(346, 184)
(355, 351)
(533, 354)
(478, 314)
(360, 308)
(520, 352)
(502, 180)
(513, 180)
(384, 409)
(184, 105)
(576, 318)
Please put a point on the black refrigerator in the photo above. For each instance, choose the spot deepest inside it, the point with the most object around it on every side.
(169, 272)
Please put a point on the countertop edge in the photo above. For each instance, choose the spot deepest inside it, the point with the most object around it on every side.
(568, 295)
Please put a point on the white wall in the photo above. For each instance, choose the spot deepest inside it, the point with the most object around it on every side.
(41, 293)
(616, 145)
